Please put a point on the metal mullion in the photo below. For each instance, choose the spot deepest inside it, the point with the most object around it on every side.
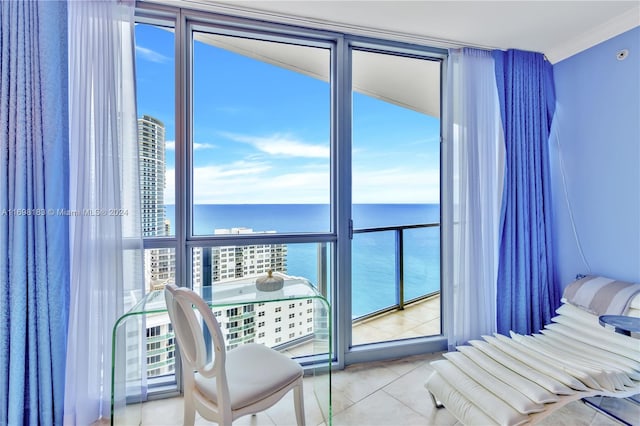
(397, 48)
(399, 252)
(341, 186)
(447, 189)
(182, 183)
(260, 28)
(219, 241)
(159, 242)
(305, 40)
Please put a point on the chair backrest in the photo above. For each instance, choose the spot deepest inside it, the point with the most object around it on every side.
(188, 329)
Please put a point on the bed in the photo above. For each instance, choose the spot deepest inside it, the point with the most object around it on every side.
(521, 379)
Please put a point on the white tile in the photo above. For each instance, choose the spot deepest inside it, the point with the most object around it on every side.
(379, 408)
(573, 414)
(357, 382)
(377, 393)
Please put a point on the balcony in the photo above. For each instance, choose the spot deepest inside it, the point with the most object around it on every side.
(407, 285)
(396, 292)
(420, 318)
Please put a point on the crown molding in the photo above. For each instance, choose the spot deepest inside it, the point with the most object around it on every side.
(613, 27)
(229, 9)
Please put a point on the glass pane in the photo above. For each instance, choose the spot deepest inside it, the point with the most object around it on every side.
(149, 358)
(289, 325)
(156, 127)
(421, 273)
(159, 268)
(373, 270)
(422, 281)
(161, 348)
(396, 184)
(261, 136)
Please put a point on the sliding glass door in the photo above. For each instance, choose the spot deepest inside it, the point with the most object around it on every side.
(395, 279)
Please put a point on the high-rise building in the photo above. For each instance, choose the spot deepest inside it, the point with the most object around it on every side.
(280, 323)
(241, 261)
(272, 324)
(159, 264)
(151, 154)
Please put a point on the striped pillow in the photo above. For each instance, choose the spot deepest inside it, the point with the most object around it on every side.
(601, 295)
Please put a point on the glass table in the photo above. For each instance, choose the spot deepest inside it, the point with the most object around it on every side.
(295, 320)
(624, 410)
(622, 324)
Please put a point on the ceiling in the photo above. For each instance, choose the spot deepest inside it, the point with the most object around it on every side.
(558, 29)
(383, 77)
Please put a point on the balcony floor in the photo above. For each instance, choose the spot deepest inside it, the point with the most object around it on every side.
(417, 319)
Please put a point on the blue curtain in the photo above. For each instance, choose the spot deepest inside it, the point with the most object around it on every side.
(526, 295)
(34, 232)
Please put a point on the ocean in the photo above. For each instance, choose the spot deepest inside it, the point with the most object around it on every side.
(373, 254)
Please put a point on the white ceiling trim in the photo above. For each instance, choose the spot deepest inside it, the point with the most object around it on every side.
(605, 31)
(611, 28)
(317, 24)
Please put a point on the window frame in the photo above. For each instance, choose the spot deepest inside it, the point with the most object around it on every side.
(185, 21)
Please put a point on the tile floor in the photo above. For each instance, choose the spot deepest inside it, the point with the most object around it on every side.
(385, 393)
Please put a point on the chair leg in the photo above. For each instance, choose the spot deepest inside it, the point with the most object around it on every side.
(436, 403)
(298, 398)
(226, 418)
(189, 418)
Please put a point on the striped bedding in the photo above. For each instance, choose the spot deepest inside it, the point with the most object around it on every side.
(522, 379)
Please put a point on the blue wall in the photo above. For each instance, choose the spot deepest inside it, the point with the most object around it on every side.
(595, 143)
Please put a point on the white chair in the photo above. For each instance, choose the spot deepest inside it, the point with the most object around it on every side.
(245, 380)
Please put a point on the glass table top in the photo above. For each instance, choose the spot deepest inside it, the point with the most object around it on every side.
(621, 324)
(235, 292)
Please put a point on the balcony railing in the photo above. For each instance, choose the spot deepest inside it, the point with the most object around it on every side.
(401, 299)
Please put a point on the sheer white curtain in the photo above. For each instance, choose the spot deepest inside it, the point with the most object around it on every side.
(105, 234)
(473, 169)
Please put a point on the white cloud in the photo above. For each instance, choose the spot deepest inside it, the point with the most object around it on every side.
(230, 110)
(255, 182)
(197, 146)
(253, 185)
(396, 185)
(151, 55)
(170, 187)
(171, 145)
(246, 182)
(282, 144)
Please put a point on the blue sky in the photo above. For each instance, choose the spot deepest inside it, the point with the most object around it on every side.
(261, 132)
